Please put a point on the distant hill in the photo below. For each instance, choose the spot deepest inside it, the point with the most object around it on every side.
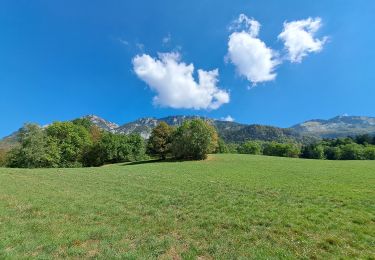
(240, 133)
(340, 126)
(8, 142)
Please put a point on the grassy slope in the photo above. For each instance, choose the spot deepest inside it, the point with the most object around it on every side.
(228, 206)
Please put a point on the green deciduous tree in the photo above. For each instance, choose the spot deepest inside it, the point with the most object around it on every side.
(250, 147)
(35, 149)
(85, 122)
(194, 140)
(160, 141)
(3, 156)
(363, 139)
(332, 153)
(115, 148)
(222, 147)
(137, 148)
(352, 152)
(72, 139)
(313, 151)
(281, 149)
(68, 144)
(369, 152)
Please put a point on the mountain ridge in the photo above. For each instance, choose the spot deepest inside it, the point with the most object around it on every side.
(339, 126)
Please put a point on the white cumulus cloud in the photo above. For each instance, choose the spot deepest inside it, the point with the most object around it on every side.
(299, 38)
(228, 118)
(251, 56)
(175, 85)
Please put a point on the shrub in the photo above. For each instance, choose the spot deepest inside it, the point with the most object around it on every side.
(222, 147)
(313, 151)
(332, 153)
(232, 148)
(281, 149)
(352, 152)
(250, 147)
(94, 156)
(3, 157)
(369, 153)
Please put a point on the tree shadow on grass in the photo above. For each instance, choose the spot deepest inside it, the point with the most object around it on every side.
(154, 161)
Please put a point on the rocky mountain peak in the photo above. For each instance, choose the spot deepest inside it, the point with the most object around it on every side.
(102, 123)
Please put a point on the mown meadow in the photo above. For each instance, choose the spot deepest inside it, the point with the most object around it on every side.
(228, 206)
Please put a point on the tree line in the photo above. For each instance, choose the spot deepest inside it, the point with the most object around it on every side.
(79, 143)
(361, 147)
(258, 147)
(72, 144)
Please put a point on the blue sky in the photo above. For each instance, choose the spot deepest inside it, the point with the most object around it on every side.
(63, 59)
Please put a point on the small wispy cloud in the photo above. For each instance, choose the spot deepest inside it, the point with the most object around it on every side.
(244, 23)
(228, 118)
(140, 46)
(167, 39)
(125, 42)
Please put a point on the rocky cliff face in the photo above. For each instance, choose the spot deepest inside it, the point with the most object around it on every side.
(102, 123)
(339, 126)
(145, 125)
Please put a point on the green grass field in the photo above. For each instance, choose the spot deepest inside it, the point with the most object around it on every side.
(229, 206)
